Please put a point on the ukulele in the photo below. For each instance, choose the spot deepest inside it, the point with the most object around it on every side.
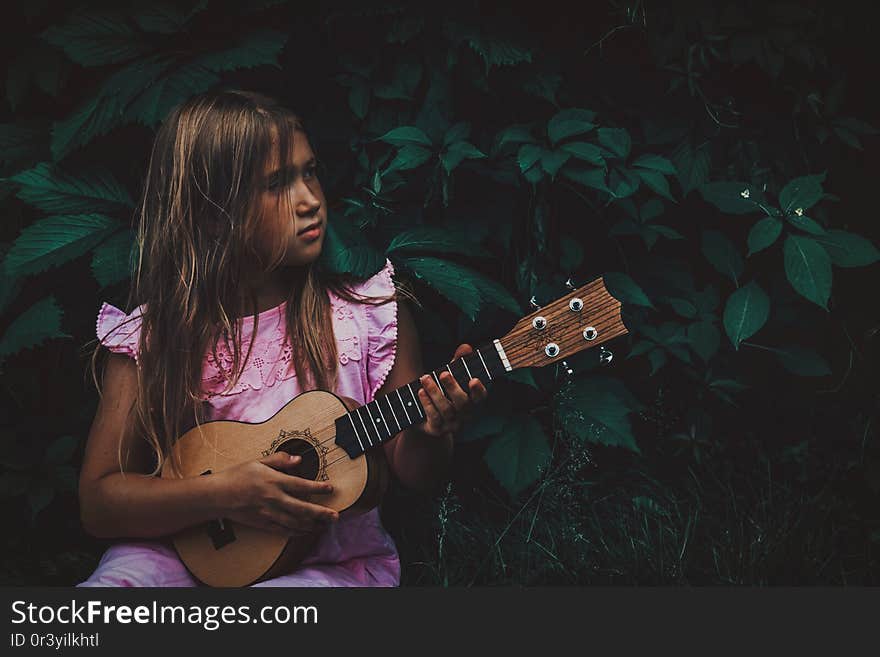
(340, 440)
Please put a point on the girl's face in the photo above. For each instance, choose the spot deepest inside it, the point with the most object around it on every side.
(293, 201)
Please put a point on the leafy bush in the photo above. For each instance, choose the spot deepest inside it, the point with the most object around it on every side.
(708, 160)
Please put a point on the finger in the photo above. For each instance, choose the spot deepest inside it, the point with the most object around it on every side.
(443, 405)
(458, 397)
(432, 416)
(281, 460)
(298, 508)
(462, 350)
(301, 486)
(477, 390)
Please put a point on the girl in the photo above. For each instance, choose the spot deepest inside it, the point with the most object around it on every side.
(235, 318)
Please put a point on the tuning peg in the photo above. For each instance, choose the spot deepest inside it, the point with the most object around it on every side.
(569, 284)
(534, 303)
(605, 356)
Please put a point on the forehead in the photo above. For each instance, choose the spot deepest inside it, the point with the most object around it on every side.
(299, 151)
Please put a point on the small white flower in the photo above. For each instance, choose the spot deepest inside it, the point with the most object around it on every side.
(799, 212)
(744, 193)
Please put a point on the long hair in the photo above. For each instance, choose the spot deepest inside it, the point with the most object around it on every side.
(197, 237)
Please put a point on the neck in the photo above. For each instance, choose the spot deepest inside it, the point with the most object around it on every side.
(387, 415)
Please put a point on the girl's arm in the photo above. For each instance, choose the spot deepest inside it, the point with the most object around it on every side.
(421, 460)
(134, 504)
(139, 505)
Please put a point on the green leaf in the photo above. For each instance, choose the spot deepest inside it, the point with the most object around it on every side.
(802, 361)
(436, 240)
(516, 134)
(596, 410)
(625, 289)
(552, 161)
(102, 112)
(763, 234)
(616, 140)
(52, 190)
(683, 307)
(61, 450)
(466, 288)
(655, 163)
(584, 151)
(527, 156)
(359, 98)
(746, 312)
(55, 240)
(494, 413)
(116, 259)
(571, 254)
(808, 268)
(457, 152)
(166, 19)
(806, 224)
(409, 157)
(705, 339)
(569, 122)
(622, 182)
(692, 167)
(406, 136)
(459, 132)
(40, 494)
(258, 47)
(801, 193)
(655, 181)
(23, 141)
(732, 197)
(857, 126)
(722, 254)
(346, 250)
(519, 454)
(594, 178)
(848, 249)
(39, 323)
(96, 38)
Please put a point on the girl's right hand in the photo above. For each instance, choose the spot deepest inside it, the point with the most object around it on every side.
(262, 495)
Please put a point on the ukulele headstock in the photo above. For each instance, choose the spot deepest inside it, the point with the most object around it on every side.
(586, 317)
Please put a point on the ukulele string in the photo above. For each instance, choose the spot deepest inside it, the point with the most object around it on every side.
(513, 344)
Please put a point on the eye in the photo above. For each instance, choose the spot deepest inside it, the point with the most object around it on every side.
(311, 171)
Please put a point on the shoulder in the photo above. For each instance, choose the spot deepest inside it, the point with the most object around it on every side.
(119, 331)
(380, 284)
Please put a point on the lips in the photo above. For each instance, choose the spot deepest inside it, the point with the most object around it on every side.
(310, 227)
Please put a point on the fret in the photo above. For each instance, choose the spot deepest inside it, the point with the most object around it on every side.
(415, 400)
(408, 419)
(467, 369)
(454, 378)
(388, 399)
(437, 379)
(370, 440)
(355, 431)
(387, 428)
(484, 364)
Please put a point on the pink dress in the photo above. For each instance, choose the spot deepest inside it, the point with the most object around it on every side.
(355, 551)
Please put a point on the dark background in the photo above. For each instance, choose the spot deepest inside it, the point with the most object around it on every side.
(779, 483)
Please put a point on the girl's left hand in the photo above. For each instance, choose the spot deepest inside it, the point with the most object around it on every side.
(445, 416)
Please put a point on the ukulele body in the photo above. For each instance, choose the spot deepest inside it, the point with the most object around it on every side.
(226, 553)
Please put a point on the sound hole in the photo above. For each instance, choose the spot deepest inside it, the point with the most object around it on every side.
(310, 464)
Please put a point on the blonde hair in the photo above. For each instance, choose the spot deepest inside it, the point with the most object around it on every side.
(197, 226)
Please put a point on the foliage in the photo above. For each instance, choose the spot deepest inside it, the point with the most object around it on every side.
(698, 156)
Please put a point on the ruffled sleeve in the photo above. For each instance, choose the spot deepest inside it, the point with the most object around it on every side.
(119, 332)
(381, 328)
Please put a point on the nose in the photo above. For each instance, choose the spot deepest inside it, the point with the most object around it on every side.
(306, 200)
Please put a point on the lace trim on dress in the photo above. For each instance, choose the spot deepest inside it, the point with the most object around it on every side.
(265, 366)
